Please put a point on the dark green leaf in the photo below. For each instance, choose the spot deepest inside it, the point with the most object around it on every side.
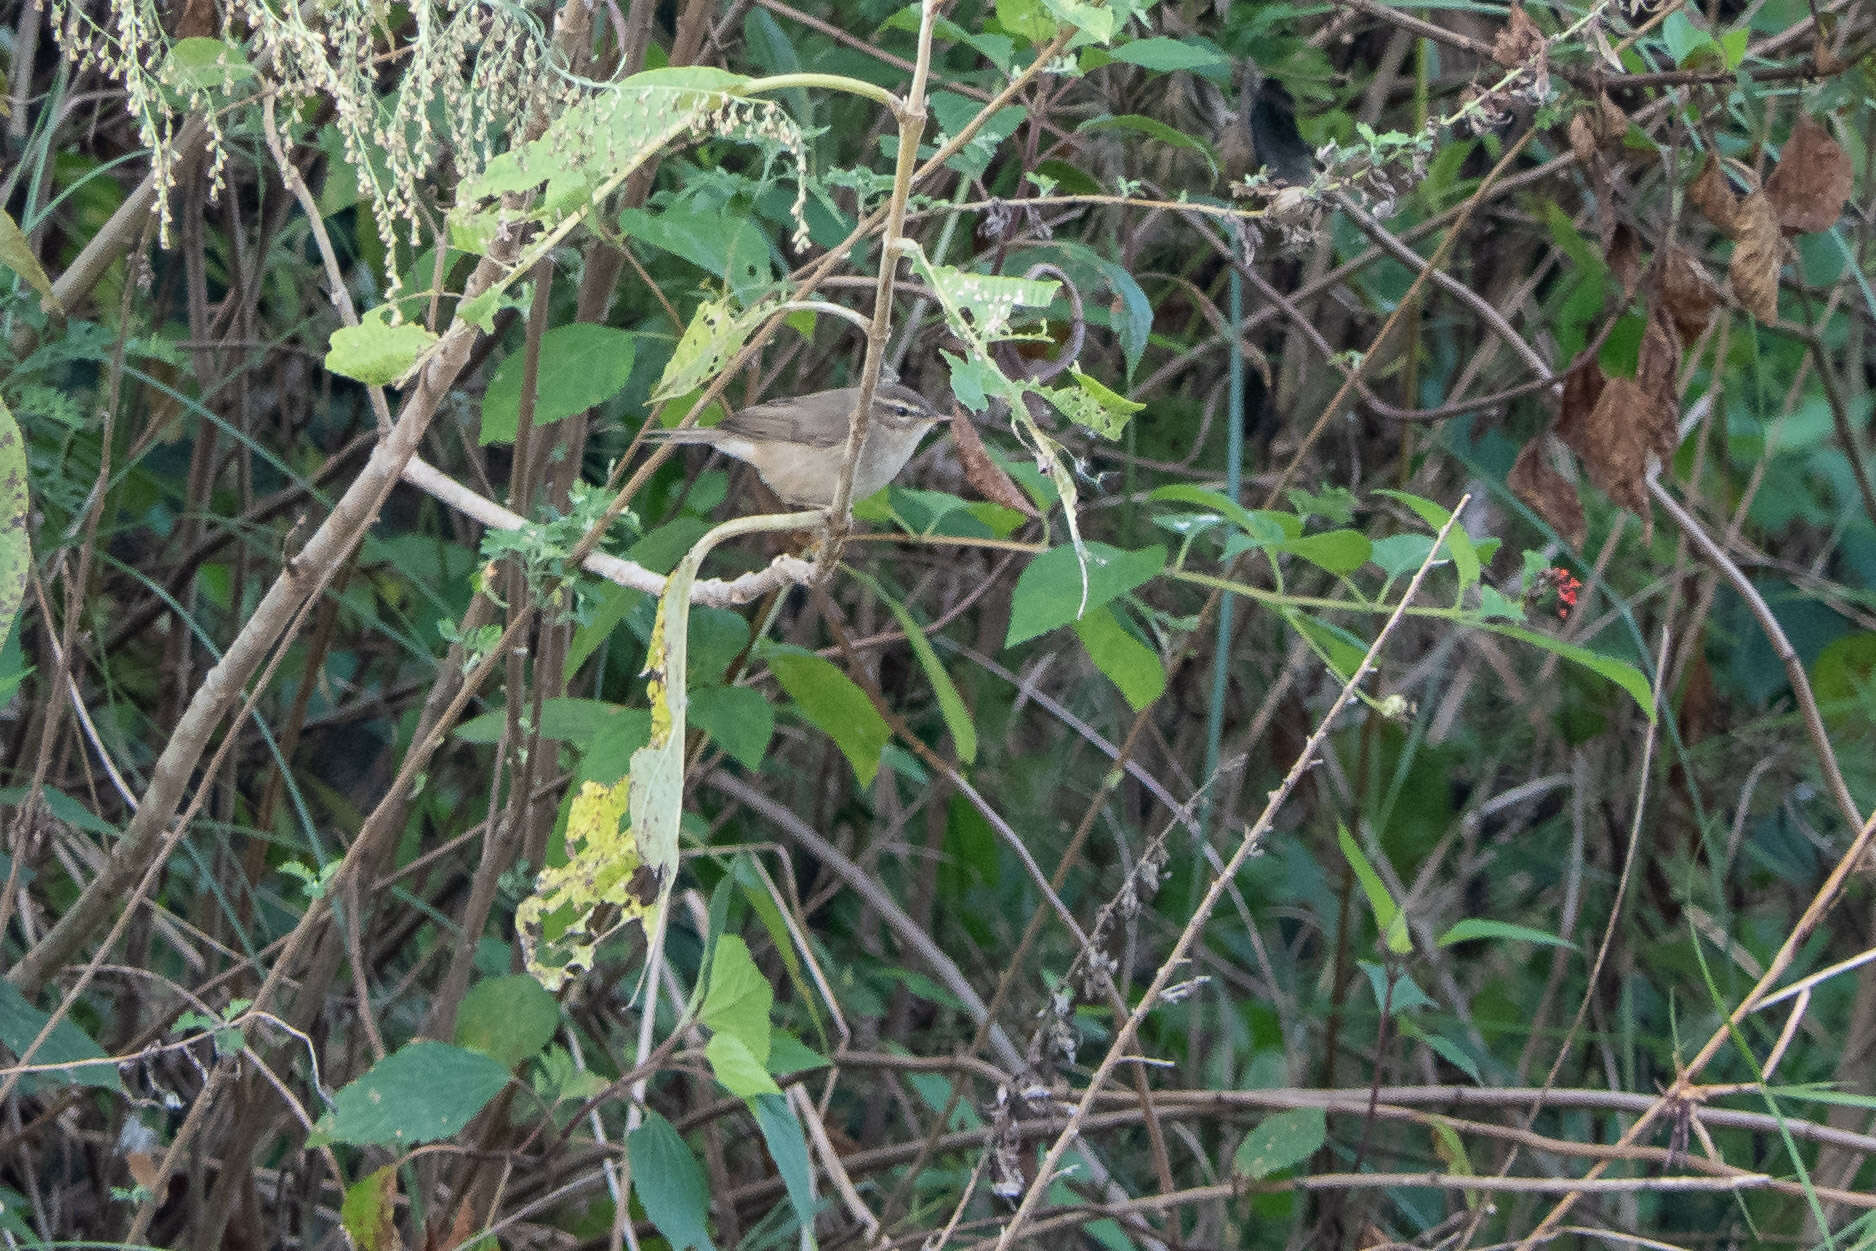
(1280, 1141)
(421, 1093)
(788, 1147)
(738, 718)
(507, 1018)
(1049, 592)
(670, 1183)
(582, 365)
(20, 1023)
(828, 698)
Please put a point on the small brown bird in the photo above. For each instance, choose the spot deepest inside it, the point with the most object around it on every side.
(796, 443)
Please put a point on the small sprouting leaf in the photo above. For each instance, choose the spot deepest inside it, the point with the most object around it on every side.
(375, 352)
(507, 1018)
(1049, 592)
(670, 1183)
(423, 1092)
(1280, 1141)
(828, 698)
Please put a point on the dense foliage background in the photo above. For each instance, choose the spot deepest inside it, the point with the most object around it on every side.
(1380, 752)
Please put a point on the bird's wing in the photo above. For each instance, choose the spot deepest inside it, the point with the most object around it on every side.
(779, 421)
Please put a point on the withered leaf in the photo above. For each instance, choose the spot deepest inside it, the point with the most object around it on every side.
(1710, 193)
(1520, 42)
(1624, 257)
(1659, 363)
(982, 472)
(1582, 139)
(1551, 496)
(1611, 122)
(1626, 427)
(1582, 387)
(1812, 182)
(1686, 294)
(1753, 273)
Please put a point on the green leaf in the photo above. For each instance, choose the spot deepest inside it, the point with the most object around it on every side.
(1164, 55)
(788, 1054)
(375, 352)
(712, 237)
(739, 998)
(1620, 672)
(203, 64)
(1027, 19)
(369, 1211)
(1336, 551)
(420, 1093)
(582, 365)
(16, 549)
(670, 1183)
(1218, 502)
(1458, 542)
(1280, 1141)
(957, 717)
(507, 1018)
(828, 698)
(788, 1147)
(16, 253)
(1094, 405)
(1388, 917)
(738, 718)
(1097, 21)
(1128, 663)
(1342, 650)
(1153, 129)
(736, 1066)
(716, 332)
(1479, 927)
(565, 719)
(20, 1023)
(1400, 553)
(1049, 592)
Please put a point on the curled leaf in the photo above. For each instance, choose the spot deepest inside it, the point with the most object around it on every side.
(1812, 182)
(1686, 293)
(1581, 389)
(1628, 425)
(1520, 42)
(1710, 194)
(1659, 362)
(982, 472)
(1551, 496)
(1753, 273)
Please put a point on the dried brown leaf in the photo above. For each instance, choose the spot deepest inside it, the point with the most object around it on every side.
(1659, 364)
(1753, 273)
(1710, 193)
(1551, 496)
(1582, 139)
(1581, 389)
(1626, 427)
(982, 472)
(1611, 122)
(1624, 258)
(1520, 42)
(1812, 182)
(1686, 294)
